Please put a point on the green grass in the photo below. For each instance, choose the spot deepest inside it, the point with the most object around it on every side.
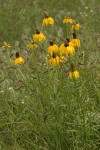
(40, 108)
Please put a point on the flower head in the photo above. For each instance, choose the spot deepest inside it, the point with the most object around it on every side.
(32, 45)
(6, 45)
(53, 48)
(68, 20)
(67, 48)
(76, 26)
(71, 50)
(38, 36)
(74, 74)
(54, 61)
(47, 20)
(62, 49)
(18, 60)
(75, 41)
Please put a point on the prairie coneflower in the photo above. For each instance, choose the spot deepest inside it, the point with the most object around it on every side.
(75, 41)
(68, 20)
(74, 74)
(53, 48)
(76, 26)
(67, 49)
(32, 45)
(18, 60)
(55, 60)
(47, 20)
(62, 49)
(38, 36)
(6, 45)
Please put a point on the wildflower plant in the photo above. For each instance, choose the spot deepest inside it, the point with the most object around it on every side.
(66, 50)
(48, 99)
(57, 54)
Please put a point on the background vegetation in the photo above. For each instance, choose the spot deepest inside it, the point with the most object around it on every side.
(40, 108)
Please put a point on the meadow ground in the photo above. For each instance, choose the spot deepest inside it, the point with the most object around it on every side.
(41, 108)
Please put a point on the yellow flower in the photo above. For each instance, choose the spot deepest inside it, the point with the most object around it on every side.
(38, 36)
(47, 21)
(68, 20)
(54, 61)
(62, 49)
(71, 50)
(76, 42)
(18, 60)
(67, 49)
(76, 26)
(53, 48)
(6, 45)
(50, 20)
(32, 45)
(74, 74)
